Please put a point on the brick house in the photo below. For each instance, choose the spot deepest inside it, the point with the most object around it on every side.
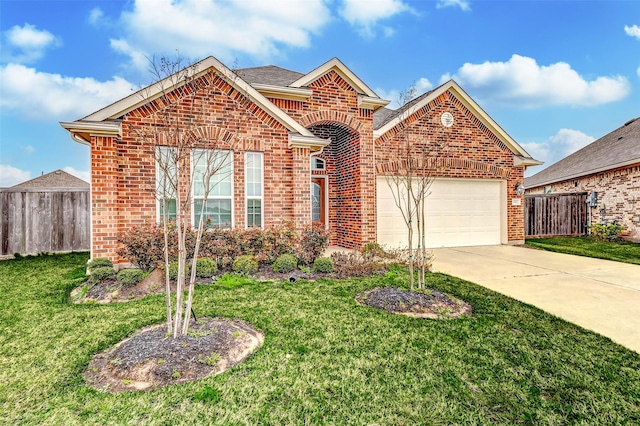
(610, 167)
(314, 147)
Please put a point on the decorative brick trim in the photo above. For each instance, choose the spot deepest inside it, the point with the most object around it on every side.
(330, 117)
(441, 163)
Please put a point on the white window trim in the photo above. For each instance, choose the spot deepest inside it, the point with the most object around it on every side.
(313, 164)
(246, 190)
(158, 200)
(211, 197)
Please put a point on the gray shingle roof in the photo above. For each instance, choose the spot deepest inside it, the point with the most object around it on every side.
(55, 179)
(269, 74)
(385, 115)
(618, 148)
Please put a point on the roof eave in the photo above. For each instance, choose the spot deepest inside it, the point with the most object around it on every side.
(627, 163)
(519, 161)
(281, 92)
(81, 131)
(367, 102)
(312, 142)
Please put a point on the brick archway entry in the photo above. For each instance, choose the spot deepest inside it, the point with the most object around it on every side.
(341, 176)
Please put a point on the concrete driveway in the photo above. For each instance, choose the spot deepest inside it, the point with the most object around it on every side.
(599, 295)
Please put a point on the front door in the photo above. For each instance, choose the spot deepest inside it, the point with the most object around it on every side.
(318, 207)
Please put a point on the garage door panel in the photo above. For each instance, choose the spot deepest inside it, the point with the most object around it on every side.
(459, 212)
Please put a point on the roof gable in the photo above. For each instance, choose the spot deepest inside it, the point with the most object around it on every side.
(619, 148)
(393, 118)
(56, 179)
(105, 116)
(341, 69)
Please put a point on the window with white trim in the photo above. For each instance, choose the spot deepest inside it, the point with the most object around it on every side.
(216, 166)
(317, 164)
(254, 178)
(166, 181)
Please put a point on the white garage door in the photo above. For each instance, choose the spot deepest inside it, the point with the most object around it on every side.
(459, 212)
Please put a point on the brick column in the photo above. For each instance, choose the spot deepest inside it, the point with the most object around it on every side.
(367, 186)
(301, 186)
(104, 197)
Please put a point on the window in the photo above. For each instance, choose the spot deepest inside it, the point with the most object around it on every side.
(317, 163)
(216, 166)
(254, 180)
(166, 180)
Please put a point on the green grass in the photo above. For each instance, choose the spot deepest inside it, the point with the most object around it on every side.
(325, 359)
(620, 251)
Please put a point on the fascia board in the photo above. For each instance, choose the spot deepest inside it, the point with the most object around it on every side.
(344, 72)
(312, 142)
(280, 92)
(519, 161)
(155, 90)
(623, 164)
(371, 103)
(81, 131)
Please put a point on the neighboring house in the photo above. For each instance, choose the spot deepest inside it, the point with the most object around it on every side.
(610, 167)
(53, 180)
(314, 147)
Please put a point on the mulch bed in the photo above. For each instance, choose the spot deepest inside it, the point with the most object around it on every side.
(150, 360)
(427, 303)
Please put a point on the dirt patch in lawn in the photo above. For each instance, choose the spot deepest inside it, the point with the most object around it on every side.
(150, 360)
(427, 303)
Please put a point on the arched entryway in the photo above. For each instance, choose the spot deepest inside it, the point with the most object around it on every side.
(335, 184)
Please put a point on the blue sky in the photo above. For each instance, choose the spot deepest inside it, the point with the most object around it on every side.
(554, 74)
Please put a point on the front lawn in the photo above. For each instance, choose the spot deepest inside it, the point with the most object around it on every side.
(620, 251)
(325, 359)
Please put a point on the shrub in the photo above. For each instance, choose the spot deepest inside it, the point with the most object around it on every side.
(103, 273)
(130, 277)
(285, 263)
(609, 232)
(99, 262)
(143, 246)
(355, 265)
(245, 265)
(372, 249)
(206, 267)
(173, 269)
(313, 242)
(278, 240)
(323, 265)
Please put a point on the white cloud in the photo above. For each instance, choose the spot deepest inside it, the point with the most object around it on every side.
(28, 149)
(365, 14)
(558, 146)
(84, 175)
(522, 82)
(638, 72)
(633, 31)
(199, 28)
(396, 96)
(96, 16)
(44, 96)
(462, 4)
(10, 175)
(27, 43)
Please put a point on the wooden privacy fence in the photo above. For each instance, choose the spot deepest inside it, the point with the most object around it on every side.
(555, 214)
(44, 220)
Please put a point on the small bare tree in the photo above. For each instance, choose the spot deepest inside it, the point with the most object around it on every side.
(187, 156)
(416, 160)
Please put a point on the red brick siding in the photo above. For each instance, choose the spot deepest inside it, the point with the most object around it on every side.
(124, 170)
(470, 150)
